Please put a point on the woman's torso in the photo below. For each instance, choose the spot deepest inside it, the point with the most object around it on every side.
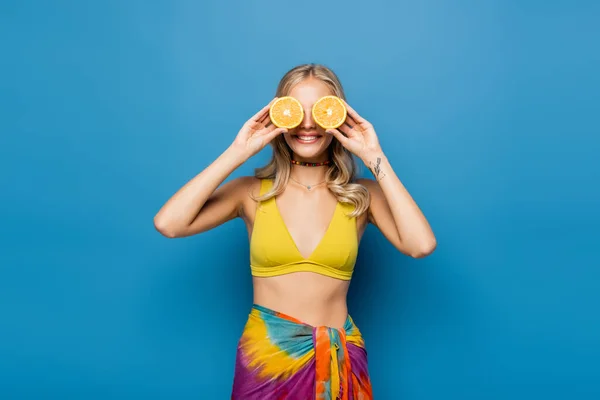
(305, 217)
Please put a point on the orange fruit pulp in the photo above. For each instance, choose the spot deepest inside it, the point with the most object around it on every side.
(286, 112)
(329, 112)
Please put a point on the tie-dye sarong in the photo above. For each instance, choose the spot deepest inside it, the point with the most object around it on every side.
(279, 357)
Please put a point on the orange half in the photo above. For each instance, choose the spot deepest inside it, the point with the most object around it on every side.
(286, 112)
(329, 112)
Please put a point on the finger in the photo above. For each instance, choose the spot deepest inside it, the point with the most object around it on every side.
(258, 126)
(270, 135)
(262, 123)
(265, 130)
(347, 130)
(351, 128)
(350, 121)
(261, 114)
(265, 117)
(352, 113)
(339, 136)
(266, 120)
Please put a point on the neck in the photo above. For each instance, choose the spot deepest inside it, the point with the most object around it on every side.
(309, 175)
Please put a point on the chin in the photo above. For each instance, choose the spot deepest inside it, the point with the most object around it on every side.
(309, 146)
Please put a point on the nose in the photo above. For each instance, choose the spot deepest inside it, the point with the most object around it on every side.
(307, 123)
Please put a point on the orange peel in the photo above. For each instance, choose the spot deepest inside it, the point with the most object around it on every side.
(286, 112)
(329, 112)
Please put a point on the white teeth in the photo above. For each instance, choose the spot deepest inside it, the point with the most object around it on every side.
(307, 138)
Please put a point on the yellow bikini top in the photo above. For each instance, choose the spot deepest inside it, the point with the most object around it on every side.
(273, 250)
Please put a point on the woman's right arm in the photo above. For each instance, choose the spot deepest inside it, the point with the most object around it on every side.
(201, 204)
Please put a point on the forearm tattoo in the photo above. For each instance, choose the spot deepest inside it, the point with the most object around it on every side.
(376, 169)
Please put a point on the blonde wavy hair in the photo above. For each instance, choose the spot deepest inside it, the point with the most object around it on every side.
(341, 174)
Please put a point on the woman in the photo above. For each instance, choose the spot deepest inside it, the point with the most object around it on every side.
(305, 213)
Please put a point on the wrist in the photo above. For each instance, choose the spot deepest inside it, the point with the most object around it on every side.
(376, 162)
(370, 159)
(235, 156)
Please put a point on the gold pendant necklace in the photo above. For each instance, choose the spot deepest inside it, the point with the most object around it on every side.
(308, 187)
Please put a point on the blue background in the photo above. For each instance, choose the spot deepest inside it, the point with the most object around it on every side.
(488, 111)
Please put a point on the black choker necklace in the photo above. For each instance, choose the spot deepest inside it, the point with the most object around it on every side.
(311, 164)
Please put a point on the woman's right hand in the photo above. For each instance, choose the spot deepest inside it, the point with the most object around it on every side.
(256, 133)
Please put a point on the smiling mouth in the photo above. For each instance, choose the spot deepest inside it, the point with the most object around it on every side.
(307, 139)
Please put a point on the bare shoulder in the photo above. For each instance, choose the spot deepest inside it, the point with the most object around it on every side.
(245, 183)
(242, 188)
(247, 188)
(365, 218)
(378, 207)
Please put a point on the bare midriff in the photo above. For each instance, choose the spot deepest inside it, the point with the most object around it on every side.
(314, 299)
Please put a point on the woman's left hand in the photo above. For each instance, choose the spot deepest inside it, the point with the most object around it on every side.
(357, 135)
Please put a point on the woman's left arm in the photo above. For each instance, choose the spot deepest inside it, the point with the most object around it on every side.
(392, 208)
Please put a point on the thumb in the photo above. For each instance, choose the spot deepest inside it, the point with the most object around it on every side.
(273, 134)
(339, 136)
